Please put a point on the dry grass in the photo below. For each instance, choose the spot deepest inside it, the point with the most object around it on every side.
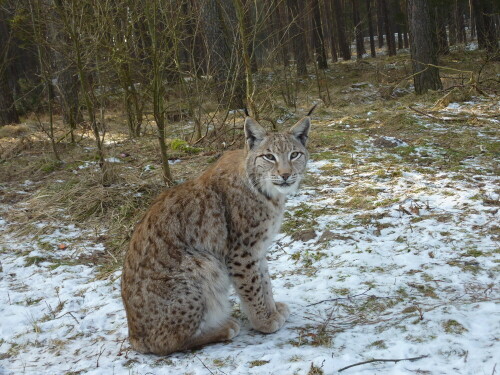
(11, 131)
(75, 190)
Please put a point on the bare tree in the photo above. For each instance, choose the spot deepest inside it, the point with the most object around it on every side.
(80, 27)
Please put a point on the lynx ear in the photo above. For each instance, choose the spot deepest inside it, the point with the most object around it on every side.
(254, 133)
(301, 130)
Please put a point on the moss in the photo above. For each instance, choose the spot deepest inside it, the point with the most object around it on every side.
(50, 166)
(332, 138)
(34, 260)
(341, 291)
(357, 203)
(324, 155)
(257, 363)
(409, 309)
(473, 253)
(303, 218)
(426, 290)
(453, 327)
(379, 344)
(472, 267)
(183, 146)
(32, 301)
(330, 170)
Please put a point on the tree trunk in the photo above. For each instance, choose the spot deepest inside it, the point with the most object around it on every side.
(400, 36)
(485, 25)
(452, 27)
(360, 45)
(318, 37)
(246, 49)
(370, 27)
(389, 28)
(331, 30)
(280, 24)
(423, 47)
(298, 37)
(345, 51)
(66, 77)
(219, 54)
(460, 22)
(472, 22)
(442, 38)
(8, 113)
(380, 24)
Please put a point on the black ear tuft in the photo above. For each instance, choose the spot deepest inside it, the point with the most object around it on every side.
(311, 110)
(246, 112)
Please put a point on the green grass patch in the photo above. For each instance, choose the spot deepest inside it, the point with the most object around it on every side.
(35, 260)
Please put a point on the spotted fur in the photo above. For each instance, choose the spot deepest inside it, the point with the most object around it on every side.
(200, 237)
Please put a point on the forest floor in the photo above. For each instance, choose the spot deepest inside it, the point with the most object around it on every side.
(390, 250)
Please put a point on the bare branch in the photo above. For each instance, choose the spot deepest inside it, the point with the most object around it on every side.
(383, 360)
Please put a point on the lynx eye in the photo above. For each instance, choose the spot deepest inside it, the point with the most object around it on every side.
(269, 157)
(294, 155)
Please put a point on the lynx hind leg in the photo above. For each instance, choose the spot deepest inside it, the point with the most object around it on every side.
(169, 317)
(217, 324)
(186, 312)
(224, 332)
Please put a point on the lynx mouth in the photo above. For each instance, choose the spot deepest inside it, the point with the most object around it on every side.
(283, 184)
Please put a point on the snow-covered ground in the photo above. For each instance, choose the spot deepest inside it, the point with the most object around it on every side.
(377, 259)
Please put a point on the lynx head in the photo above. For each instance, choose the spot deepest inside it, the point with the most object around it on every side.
(276, 162)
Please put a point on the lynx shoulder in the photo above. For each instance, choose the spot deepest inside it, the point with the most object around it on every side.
(199, 238)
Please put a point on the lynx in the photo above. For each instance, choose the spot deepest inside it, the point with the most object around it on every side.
(199, 238)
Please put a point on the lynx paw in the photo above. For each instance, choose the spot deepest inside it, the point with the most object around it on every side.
(233, 328)
(275, 321)
(283, 309)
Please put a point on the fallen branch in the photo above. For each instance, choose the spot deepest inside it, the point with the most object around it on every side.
(432, 116)
(383, 360)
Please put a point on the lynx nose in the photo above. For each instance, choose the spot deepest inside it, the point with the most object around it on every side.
(285, 176)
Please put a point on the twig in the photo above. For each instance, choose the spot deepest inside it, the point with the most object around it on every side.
(339, 298)
(383, 360)
(99, 356)
(70, 313)
(420, 312)
(404, 210)
(199, 359)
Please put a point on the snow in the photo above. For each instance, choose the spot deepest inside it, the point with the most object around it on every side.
(415, 274)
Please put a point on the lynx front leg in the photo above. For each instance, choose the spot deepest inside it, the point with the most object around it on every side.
(251, 279)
